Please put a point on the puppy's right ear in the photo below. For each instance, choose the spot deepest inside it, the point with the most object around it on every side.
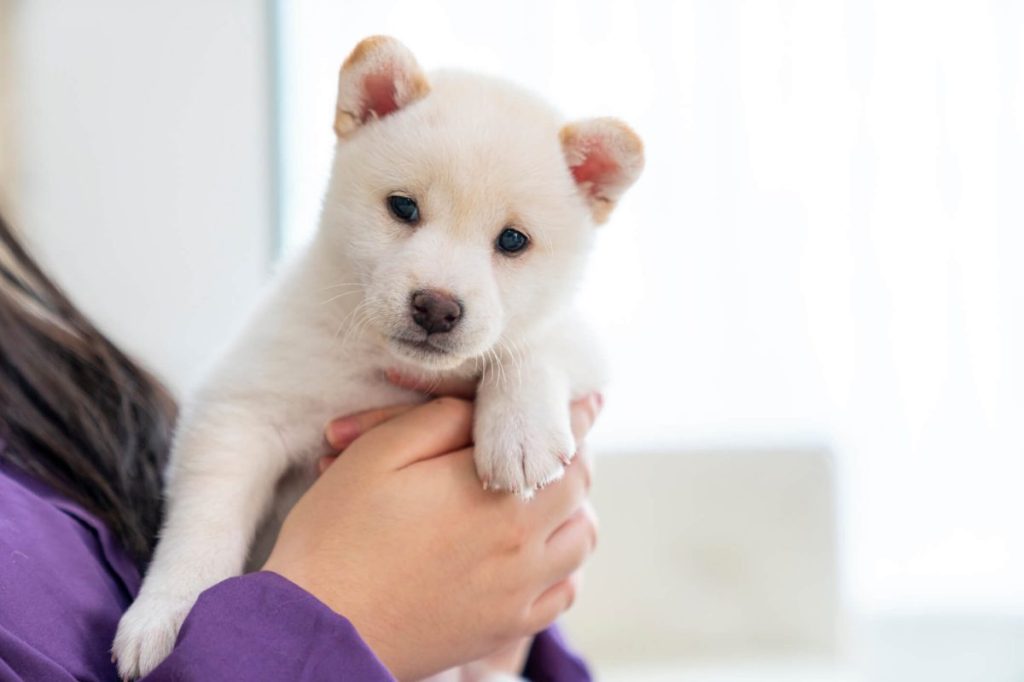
(380, 77)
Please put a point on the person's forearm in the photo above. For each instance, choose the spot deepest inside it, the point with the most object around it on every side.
(263, 627)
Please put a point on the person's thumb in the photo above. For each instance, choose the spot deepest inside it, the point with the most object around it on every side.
(434, 428)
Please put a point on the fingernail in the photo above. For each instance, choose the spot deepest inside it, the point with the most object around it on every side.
(599, 399)
(566, 459)
(341, 432)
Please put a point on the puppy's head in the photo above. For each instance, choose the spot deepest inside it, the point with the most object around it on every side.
(465, 205)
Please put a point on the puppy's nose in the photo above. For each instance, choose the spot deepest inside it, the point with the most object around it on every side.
(435, 311)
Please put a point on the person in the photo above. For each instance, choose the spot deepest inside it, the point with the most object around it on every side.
(396, 564)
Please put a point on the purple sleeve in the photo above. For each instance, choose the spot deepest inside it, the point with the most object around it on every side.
(263, 627)
(64, 584)
(551, 660)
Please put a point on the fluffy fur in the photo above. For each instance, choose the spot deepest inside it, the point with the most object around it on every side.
(477, 154)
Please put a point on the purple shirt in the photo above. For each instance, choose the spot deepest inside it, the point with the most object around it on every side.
(65, 581)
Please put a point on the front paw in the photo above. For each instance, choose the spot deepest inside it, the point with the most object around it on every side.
(147, 632)
(521, 450)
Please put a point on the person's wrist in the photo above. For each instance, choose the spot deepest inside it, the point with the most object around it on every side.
(296, 573)
(366, 628)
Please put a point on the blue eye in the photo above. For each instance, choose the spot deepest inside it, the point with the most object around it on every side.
(404, 209)
(512, 241)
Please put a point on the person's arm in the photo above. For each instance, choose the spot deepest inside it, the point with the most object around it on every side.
(257, 627)
(261, 626)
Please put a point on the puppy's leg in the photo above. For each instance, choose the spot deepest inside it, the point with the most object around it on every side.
(221, 480)
(522, 431)
(522, 428)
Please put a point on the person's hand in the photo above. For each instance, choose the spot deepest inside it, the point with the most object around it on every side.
(512, 657)
(342, 431)
(399, 537)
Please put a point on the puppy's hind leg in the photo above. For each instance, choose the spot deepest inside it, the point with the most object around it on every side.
(221, 480)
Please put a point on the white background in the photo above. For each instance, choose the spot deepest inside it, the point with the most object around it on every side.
(142, 137)
(824, 248)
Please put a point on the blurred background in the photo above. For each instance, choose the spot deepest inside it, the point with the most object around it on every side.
(811, 462)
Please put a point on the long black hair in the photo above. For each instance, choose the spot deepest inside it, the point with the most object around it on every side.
(76, 412)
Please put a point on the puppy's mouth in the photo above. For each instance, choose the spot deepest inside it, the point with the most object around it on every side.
(423, 348)
(421, 345)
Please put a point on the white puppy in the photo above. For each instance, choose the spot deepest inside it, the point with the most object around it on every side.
(456, 223)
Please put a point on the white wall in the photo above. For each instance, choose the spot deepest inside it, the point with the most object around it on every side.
(6, 9)
(143, 149)
(824, 248)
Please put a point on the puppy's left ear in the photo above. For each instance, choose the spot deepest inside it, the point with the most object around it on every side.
(380, 77)
(605, 157)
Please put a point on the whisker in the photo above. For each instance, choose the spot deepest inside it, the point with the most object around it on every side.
(512, 348)
(343, 284)
(345, 321)
(499, 370)
(341, 295)
(361, 320)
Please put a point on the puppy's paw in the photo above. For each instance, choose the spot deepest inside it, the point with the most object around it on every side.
(519, 449)
(147, 631)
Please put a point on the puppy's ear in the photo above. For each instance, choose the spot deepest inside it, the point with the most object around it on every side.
(380, 77)
(605, 157)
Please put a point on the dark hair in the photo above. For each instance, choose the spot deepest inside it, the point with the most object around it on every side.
(76, 412)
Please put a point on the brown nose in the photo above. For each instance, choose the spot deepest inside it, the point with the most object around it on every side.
(435, 311)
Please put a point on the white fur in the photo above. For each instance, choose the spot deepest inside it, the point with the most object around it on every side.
(478, 154)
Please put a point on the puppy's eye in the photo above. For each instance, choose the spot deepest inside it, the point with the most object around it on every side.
(511, 241)
(404, 209)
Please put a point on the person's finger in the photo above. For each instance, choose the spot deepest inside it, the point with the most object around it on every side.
(570, 545)
(456, 388)
(582, 466)
(434, 428)
(554, 503)
(584, 515)
(555, 601)
(324, 462)
(586, 464)
(342, 431)
(583, 413)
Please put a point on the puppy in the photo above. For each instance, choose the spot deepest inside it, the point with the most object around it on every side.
(455, 227)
